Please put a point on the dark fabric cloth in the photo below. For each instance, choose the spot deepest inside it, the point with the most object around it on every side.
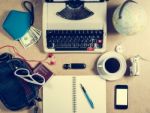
(15, 93)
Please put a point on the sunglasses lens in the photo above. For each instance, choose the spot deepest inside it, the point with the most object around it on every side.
(22, 72)
(38, 78)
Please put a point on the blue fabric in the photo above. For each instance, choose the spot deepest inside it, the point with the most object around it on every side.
(17, 24)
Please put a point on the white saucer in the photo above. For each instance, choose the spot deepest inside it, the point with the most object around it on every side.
(112, 76)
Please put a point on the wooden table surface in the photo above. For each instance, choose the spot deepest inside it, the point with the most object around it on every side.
(139, 87)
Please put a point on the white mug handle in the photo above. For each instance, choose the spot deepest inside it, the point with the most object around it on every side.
(100, 66)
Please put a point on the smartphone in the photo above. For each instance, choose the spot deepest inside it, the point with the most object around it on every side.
(121, 97)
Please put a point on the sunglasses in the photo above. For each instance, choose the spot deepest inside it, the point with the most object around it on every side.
(34, 78)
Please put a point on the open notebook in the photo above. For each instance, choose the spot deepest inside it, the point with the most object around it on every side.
(63, 94)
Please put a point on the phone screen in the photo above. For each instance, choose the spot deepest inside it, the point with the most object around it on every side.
(121, 100)
(121, 97)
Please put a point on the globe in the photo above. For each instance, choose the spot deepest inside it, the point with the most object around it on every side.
(129, 18)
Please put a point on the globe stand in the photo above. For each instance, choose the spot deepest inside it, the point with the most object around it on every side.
(124, 4)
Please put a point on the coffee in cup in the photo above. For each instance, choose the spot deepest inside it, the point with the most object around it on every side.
(112, 65)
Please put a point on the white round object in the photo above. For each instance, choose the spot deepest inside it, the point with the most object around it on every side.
(119, 48)
(134, 19)
(112, 76)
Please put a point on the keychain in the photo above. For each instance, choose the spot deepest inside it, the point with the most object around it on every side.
(135, 65)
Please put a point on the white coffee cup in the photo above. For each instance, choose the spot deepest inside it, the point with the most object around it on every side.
(103, 68)
(111, 72)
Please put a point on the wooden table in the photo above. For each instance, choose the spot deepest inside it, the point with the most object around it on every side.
(139, 87)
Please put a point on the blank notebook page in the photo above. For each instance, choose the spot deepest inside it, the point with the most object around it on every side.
(63, 94)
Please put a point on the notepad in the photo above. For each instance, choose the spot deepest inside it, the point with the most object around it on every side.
(63, 94)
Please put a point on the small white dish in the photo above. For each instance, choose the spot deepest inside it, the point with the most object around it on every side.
(111, 76)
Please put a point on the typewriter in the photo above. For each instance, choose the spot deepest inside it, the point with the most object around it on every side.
(74, 26)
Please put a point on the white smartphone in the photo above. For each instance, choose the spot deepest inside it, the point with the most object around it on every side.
(121, 97)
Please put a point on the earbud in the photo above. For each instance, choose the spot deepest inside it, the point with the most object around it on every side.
(50, 55)
(53, 61)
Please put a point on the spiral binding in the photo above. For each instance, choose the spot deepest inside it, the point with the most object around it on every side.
(74, 97)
